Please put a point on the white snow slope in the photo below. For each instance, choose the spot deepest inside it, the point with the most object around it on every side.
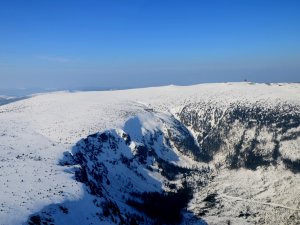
(35, 132)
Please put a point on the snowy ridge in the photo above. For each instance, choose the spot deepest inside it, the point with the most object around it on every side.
(108, 152)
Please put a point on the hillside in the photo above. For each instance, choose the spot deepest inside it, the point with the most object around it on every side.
(225, 153)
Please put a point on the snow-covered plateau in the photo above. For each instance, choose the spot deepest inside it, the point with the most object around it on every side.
(226, 153)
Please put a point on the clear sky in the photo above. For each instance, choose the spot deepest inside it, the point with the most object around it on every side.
(119, 44)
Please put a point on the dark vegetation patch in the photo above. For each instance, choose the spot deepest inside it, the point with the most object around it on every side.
(276, 152)
(252, 161)
(291, 136)
(210, 202)
(249, 157)
(233, 159)
(111, 210)
(244, 214)
(64, 209)
(163, 208)
(169, 170)
(34, 220)
(125, 160)
(278, 120)
(293, 166)
(126, 138)
(211, 198)
(142, 153)
(184, 141)
(38, 220)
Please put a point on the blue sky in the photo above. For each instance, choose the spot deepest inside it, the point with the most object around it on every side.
(132, 43)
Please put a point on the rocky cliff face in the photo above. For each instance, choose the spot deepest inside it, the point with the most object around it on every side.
(206, 163)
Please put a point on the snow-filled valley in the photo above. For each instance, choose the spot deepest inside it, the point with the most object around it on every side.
(226, 153)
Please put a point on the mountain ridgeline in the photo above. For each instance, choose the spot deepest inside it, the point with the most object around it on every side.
(144, 174)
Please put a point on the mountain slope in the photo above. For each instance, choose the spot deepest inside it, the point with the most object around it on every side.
(7, 99)
(219, 153)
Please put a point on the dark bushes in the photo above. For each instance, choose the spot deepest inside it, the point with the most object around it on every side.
(164, 208)
(293, 166)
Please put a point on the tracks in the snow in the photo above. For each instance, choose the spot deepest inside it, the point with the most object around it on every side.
(258, 202)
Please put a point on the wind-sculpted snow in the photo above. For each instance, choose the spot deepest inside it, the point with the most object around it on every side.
(212, 153)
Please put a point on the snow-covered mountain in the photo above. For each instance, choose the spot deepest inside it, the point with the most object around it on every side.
(205, 154)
